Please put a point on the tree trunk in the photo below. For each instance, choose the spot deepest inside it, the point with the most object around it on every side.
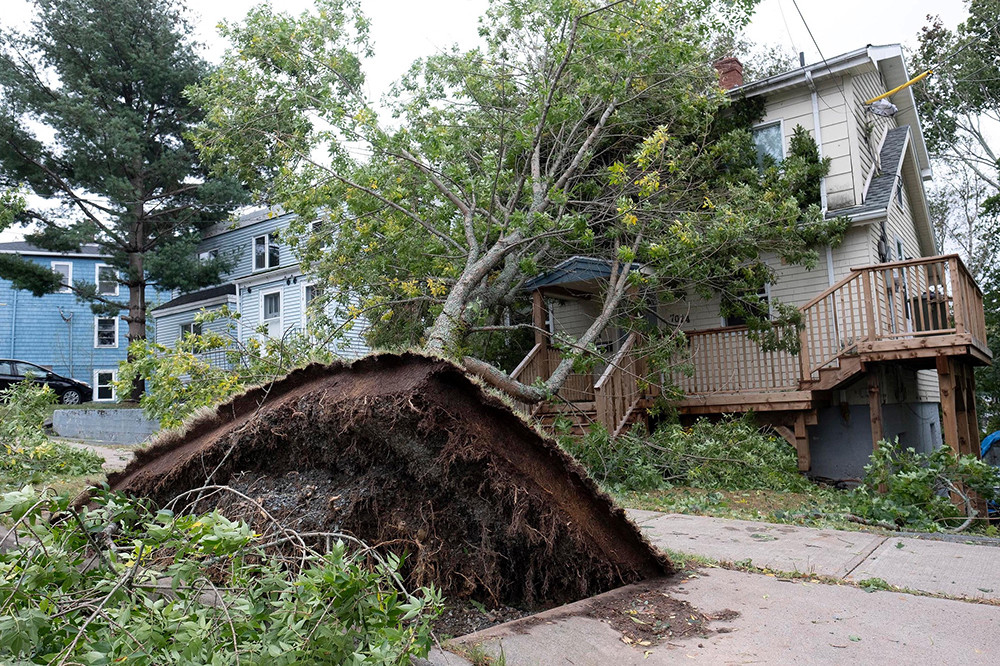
(136, 315)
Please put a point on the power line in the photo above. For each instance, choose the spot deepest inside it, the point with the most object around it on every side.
(818, 50)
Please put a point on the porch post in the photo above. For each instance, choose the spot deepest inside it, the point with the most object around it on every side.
(947, 387)
(538, 316)
(875, 406)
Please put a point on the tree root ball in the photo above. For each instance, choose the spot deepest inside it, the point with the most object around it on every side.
(409, 455)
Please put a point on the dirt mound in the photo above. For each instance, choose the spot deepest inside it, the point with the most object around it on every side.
(408, 454)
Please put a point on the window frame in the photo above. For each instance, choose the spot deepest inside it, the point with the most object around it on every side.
(208, 255)
(190, 325)
(281, 310)
(780, 123)
(97, 280)
(305, 301)
(97, 384)
(97, 319)
(67, 288)
(270, 243)
(766, 294)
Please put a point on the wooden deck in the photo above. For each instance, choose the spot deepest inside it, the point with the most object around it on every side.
(925, 313)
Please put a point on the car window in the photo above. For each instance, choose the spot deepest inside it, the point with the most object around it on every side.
(22, 370)
(5, 368)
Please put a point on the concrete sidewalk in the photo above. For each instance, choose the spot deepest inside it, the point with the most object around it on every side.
(784, 620)
(937, 567)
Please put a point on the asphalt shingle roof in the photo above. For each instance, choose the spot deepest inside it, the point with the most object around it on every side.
(198, 296)
(24, 247)
(882, 186)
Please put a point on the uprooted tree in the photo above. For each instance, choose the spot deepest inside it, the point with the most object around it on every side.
(578, 128)
(92, 123)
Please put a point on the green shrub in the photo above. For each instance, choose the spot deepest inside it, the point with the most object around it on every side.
(185, 589)
(917, 486)
(728, 455)
(204, 369)
(27, 455)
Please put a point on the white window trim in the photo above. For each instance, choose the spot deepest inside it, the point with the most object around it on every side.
(117, 326)
(305, 305)
(97, 279)
(69, 279)
(114, 377)
(780, 122)
(267, 253)
(181, 331)
(281, 309)
(208, 255)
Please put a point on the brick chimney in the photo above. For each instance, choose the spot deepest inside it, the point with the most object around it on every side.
(730, 72)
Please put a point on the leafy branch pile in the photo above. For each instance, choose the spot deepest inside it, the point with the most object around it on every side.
(729, 455)
(27, 455)
(909, 489)
(119, 583)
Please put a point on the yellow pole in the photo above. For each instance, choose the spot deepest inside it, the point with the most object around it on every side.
(895, 90)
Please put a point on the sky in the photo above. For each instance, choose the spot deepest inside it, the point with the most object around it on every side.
(403, 30)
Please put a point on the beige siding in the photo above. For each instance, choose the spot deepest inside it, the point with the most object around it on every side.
(928, 389)
(855, 251)
(900, 225)
(796, 285)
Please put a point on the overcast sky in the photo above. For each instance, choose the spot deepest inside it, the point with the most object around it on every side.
(403, 30)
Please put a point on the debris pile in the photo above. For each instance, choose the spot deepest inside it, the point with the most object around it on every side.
(407, 454)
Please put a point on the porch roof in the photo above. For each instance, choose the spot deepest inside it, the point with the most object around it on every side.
(574, 269)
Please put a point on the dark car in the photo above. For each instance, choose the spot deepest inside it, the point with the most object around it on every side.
(70, 391)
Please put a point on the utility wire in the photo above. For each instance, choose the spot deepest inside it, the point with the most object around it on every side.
(818, 50)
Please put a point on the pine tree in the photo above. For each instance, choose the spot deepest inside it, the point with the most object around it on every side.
(93, 117)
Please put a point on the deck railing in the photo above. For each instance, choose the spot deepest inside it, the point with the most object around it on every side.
(726, 360)
(893, 302)
(875, 307)
(541, 362)
(896, 301)
(620, 389)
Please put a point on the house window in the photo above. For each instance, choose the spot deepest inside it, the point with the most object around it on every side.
(65, 270)
(190, 328)
(105, 331)
(208, 256)
(758, 308)
(265, 252)
(769, 143)
(310, 293)
(271, 313)
(106, 278)
(104, 390)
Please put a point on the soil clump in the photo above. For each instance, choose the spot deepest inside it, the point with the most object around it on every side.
(409, 455)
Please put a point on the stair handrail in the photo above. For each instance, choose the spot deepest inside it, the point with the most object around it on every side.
(616, 393)
(615, 362)
(537, 349)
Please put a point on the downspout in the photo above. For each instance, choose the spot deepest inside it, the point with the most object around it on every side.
(13, 323)
(818, 136)
(69, 333)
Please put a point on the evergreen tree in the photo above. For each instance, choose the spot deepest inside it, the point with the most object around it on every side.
(93, 119)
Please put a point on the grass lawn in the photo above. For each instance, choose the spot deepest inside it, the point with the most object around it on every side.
(815, 508)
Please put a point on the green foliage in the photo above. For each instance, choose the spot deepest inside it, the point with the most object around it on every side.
(729, 455)
(27, 454)
(203, 370)
(432, 238)
(186, 589)
(917, 486)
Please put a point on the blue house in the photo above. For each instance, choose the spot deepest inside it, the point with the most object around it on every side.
(58, 331)
(265, 286)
